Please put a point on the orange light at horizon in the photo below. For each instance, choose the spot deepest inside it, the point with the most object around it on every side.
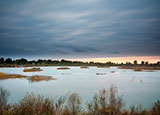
(150, 59)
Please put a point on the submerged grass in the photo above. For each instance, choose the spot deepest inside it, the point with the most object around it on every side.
(106, 102)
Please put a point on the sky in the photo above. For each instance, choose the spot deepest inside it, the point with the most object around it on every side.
(79, 28)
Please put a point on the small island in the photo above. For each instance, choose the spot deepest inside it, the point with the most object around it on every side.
(10, 76)
(32, 70)
(36, 78)
(84, 67)
(33, 78)
(63, 68)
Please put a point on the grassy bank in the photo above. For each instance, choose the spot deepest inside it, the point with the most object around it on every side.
(140, 68)
(106, 102)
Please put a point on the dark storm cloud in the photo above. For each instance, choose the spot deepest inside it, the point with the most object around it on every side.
(67, 28)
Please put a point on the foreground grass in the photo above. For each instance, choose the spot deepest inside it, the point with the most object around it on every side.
(106, 102)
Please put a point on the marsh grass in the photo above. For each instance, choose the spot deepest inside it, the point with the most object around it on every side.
(63, 68)
(106, 102)
(32, 70)
(36, 78)
(100, 73)
(112, 71)
(33, 78)
(103, 66)
(9, 76)
(84, 67)
(139, 67)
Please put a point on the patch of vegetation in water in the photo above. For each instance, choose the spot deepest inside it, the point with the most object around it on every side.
(84, 67)
(63, 68)
(100, 73)
(10, 76)
(103, 66)
(36, 78)
(32, 70)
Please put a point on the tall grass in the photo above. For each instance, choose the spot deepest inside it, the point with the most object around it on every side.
(106, 102)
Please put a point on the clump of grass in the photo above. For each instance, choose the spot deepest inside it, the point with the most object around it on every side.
(63, 68)
(137, 69)
(103, 66)
(155, 110)
(112, 71)
(84, 67)
(73, 106)
(32, 69)
(33, 105)
(36, 78)
(106, 103)
(4, 107)
(8, 76)
(100, 73)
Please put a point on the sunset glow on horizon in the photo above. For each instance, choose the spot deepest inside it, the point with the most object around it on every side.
(150, 59)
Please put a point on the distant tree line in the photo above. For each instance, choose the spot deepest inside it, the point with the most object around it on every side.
(24, 61)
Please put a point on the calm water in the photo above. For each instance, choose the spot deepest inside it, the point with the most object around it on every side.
(136, 87)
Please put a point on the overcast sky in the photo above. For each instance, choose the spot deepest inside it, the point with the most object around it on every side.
(79, 28)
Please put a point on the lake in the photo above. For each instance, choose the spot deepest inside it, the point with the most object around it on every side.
(136, 87)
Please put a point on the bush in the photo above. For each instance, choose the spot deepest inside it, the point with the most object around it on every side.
(106, 102)
(4, 107)
(73, 106)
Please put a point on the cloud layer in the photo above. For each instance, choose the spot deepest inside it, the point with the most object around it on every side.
(79, 28)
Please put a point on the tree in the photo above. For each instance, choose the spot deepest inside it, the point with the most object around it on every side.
(146, 63)
(135, 62)
(21, 61)
(1, 60)
(142, 62)
(8, 61)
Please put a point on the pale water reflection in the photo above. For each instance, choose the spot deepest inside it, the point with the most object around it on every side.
(136, 87)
